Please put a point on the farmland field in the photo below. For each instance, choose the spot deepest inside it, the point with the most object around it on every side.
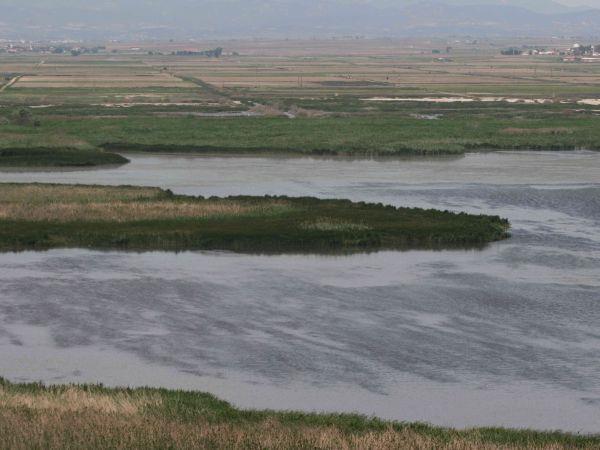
(351, 96)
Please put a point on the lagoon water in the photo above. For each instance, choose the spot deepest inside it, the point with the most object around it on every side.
(505, 336)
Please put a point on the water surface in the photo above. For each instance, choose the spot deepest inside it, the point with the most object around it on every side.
(504, 336)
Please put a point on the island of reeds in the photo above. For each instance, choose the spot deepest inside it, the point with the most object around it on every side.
(46, 157)
(93, 417)
(45, 216)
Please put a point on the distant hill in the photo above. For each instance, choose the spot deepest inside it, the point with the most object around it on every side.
(103, 19)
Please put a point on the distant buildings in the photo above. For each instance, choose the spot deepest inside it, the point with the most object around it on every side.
(577, 53)
(75, 50)
(583, 53)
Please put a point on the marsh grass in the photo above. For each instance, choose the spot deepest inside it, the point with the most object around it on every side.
(64, 204)
(42, 153)
(41, 216)
(72, 399)
(93, 417)
(119, 212)
(377, 133)
(542, 130)
(43, 194)
(332, 224)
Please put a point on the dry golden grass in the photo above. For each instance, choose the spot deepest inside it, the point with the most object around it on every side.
(117, 211)
(73, 399)
(41, 194)
(34, 416)
(63, 204)
(92, 428)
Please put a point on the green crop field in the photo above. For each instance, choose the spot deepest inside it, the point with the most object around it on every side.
(369, 97)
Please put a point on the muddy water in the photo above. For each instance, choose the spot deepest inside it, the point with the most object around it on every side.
(504, 336)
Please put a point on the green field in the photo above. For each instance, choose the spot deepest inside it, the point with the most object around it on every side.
(39, 216)
(93, 417)
(54, 141)
(315, 100)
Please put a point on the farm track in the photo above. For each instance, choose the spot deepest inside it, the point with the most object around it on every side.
(10, 83)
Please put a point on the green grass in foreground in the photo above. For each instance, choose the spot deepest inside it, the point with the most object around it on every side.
(57, 157)
(41, 216)
(92, 417)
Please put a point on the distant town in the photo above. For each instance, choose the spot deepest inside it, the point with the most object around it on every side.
(78, 49)
(577, 53)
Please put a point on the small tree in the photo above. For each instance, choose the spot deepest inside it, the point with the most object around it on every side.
(24, 117)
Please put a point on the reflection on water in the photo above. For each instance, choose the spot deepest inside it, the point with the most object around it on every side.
(503, 336)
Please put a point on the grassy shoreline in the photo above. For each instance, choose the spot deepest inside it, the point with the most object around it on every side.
(40, 157)
(44, 216)
(58, 139)
(38, 416)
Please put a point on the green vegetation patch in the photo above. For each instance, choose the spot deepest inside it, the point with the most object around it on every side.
(42, 216)
(451, 133)
(97, 417)
(57, 157)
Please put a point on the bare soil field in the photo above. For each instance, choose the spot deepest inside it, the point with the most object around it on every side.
(253, 69)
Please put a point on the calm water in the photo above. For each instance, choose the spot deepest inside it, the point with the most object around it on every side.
(504, 336)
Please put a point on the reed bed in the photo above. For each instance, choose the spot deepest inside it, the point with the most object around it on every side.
(64, 204)
(35, 152)
(41, 194)
(42, 216)
(121, 212)
(381, 133)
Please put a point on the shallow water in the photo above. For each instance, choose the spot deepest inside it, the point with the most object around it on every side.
(504, 336)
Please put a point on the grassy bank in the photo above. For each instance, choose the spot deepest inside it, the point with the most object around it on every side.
(38, 216)
(57, 157)
(35, 416)
(375, 134)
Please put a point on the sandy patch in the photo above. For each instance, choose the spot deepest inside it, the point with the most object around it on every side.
(133, 104)
(529, 101)
(590, 102)
(421, 99)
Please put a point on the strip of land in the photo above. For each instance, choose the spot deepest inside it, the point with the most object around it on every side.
(44, 216)
(357, 98)
(41, 157)
(36, 416)
(86, 141)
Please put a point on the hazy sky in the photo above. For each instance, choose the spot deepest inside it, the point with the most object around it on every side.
(592, 3)
(595, 3)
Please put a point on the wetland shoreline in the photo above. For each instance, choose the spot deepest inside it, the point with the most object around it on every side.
(42, 216)
(70, 415)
